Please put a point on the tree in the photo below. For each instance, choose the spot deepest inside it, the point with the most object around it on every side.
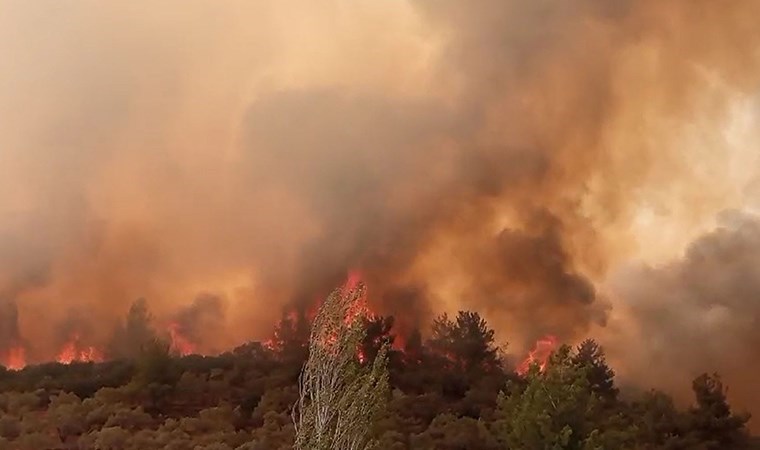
(600, 377)
(660, 425)
(291, 337)
(413, 348)
(135, 333)
(339, 397)
(377, 334)
(156, 364)
(556, 409)
(448, 432)
(156, 373)
(467, 342)
(712, 419)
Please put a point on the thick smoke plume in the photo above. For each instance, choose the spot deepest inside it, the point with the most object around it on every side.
(499, 155)
(698, 313)
(198, 324)
(9, 331)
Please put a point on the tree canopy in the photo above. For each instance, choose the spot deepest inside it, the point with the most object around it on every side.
(444, 389)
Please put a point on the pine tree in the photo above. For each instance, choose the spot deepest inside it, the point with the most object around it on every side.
(134, 334)
(600, 376)
(712, 419)
(467, 342)
(557, 409)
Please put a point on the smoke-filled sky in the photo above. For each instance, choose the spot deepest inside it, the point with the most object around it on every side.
(563, 167)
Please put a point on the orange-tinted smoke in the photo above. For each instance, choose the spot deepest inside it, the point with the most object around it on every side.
(500, 155)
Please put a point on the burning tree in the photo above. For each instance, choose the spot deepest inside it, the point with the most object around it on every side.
(340, 396)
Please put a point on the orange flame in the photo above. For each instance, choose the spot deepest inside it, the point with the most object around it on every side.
(399, 343)
(359, 308)
(539, 355)
(180, 343)
(74, 351)
(14, 358)
(352, 281)
(355, 311)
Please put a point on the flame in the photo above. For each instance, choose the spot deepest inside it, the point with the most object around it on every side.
(352, 281)
(539, 355)
(357, 310)
(14, 358)
(74, 351)
(180, 343)
(399, 342)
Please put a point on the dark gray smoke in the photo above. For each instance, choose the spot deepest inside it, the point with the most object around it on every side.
(699, 313)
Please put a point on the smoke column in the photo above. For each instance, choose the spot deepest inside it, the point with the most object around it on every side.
(502, 156)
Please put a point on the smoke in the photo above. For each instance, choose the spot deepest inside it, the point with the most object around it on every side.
(9, 332)
(502, 156)
(698, 313)
(76, 326)
(201, 321)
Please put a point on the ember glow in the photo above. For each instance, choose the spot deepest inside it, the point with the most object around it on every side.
(14, 358)
(75, 351)
(539, 355)
(510, 157)
(179, 342)
(361, 356)
(353, 280)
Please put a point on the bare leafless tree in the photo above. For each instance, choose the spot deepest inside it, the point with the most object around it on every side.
(339, 396)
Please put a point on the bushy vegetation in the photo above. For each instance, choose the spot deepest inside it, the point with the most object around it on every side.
(451, 391)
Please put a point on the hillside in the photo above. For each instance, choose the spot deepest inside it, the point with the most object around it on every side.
(450, 391)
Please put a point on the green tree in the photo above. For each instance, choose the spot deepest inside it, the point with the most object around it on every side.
(467, 342)
(448, 432)
(601, 377)
(659, 425)
(711, 418)
(339, 397)
(556, 409)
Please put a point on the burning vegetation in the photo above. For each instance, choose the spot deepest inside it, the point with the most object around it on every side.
(540, 355)
(347, 386)
(455, 341)
(565, 168)
(76, 351)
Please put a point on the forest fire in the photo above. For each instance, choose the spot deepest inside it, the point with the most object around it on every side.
(291, 332)
(295, 325)
(14, 358)
(75, 351)
(179, 342)
(539, 355)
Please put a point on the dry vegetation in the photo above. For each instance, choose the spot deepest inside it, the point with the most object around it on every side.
(451, 391)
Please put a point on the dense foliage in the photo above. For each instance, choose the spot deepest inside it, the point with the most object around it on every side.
(452, 391)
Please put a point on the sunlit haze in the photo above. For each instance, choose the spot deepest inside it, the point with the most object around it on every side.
(585, 169)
